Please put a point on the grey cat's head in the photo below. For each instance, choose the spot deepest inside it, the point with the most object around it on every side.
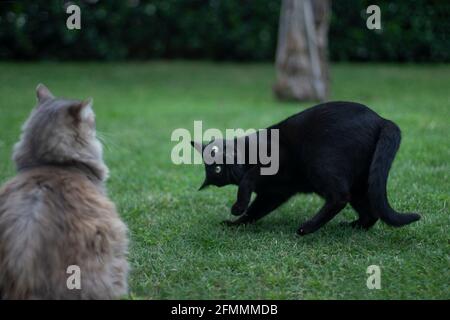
(219, 158)
(60, 131)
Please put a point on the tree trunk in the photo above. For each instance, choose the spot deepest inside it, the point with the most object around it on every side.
(301, 61)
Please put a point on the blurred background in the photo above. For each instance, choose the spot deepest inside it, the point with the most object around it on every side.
(301, 35)
(233, 30)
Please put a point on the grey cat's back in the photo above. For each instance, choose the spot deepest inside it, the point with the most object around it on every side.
(52, 218)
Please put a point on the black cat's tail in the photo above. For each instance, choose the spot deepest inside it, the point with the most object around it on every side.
(387, 146)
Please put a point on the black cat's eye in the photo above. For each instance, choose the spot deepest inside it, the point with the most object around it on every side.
(218, 169)
(214, 150)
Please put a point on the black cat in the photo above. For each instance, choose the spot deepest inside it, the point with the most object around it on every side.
(342, 151)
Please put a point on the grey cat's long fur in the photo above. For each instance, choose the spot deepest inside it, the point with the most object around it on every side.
(55, 213)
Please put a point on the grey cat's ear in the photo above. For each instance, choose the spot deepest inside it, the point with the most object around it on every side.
(197, 146)
(42, 93)
(82, 110)
(87, 104)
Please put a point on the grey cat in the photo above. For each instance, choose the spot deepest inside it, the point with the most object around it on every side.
(55, 213)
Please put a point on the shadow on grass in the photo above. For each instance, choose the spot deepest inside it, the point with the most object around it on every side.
(378, 237)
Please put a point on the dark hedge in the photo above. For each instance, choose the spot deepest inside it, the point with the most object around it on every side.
(215, 29)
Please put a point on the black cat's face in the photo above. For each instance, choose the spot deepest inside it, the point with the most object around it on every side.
(218, 172)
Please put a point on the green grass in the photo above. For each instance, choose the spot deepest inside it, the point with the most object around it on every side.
(179, 250)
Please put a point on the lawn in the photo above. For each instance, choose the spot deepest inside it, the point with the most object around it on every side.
(179, 249)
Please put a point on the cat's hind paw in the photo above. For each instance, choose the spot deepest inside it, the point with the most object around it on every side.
(305, 229)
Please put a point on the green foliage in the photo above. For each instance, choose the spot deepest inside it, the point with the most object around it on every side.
(179, 250)
(215, 29)
(411, 31)
(140, 29)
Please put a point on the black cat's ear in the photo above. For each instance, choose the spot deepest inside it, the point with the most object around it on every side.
(197, 146)
(42, 93)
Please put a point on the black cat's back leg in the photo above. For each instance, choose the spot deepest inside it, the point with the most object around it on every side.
(334, 189)
(260, 207)
(331, 208)
(366, 218)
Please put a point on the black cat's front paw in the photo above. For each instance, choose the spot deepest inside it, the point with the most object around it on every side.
(305, 229)
(243, 219)
(237, 209)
